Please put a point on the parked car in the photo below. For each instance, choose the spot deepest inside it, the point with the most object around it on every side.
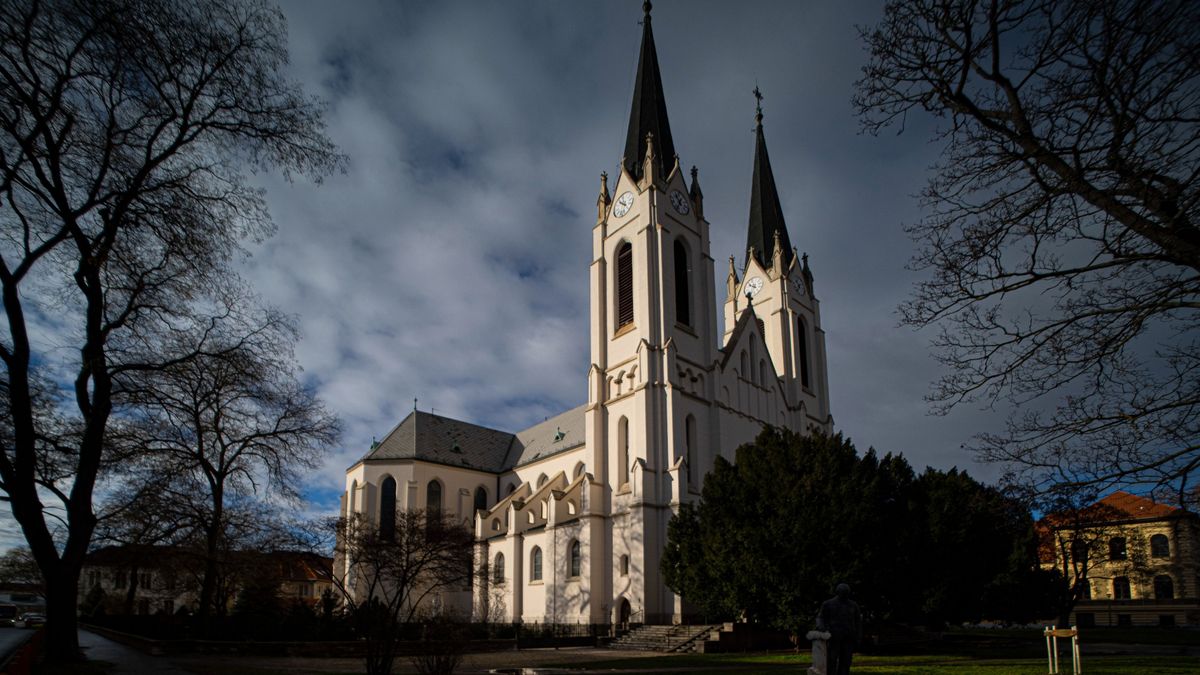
(32, 619)
(8, 615)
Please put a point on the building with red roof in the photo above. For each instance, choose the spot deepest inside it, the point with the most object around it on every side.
(1132, 560)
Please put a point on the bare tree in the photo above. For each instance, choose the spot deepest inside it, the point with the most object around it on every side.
(126, 131)
(17, 566)
(388, 576)
(1062, 243)
(238, 425)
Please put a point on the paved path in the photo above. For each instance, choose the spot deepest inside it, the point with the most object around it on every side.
(125, 660)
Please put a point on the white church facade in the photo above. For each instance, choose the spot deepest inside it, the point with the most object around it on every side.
(570, 515)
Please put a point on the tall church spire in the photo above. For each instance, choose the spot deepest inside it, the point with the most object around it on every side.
(766, 215)
(649, 111)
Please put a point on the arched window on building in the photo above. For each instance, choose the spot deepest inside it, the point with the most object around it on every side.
(745, 366)
(752, 376)
(683, 293)
(498, 568)
(535, 564)
(1160, 546)
(580, 469)
(542, 480)
(480, 499)
(1164, 587)
(576, 558)
(624, 285)
(693, 460)
(387, 509)
(1121, 588)
(512, 487)
(624, 565)
(622, 452)
(544, 509)
(350, 503)
(433, 499)
(572, 509)
(1116, 549)
(802, 347)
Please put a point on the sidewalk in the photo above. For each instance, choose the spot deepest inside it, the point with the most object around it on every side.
(125, 660)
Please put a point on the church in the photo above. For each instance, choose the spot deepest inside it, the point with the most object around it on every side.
(570, 515)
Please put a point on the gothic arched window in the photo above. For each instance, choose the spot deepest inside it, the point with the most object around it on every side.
(624, 285)
(622, 452)
(683, 286)
(802, 347)
(480, 499)
(753, 357)
(498, 568)
(387, 509)
(535, 564)
(1160, 546)
(542, 480)
(576, 558)
(433, 499)
(689, 439)
(745, 366)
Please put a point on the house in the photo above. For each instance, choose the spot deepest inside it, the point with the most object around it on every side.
(1135, 562)
(142, 579)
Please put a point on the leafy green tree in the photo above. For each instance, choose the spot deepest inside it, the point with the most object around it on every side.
(973, 541)
(774, 533)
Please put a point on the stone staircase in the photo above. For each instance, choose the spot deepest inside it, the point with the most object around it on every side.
(681, 638)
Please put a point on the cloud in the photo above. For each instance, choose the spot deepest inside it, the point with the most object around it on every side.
(450, 262)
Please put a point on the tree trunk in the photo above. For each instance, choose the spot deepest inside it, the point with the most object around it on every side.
(131, 594)
(62, 627)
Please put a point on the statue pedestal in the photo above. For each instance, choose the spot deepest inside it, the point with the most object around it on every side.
(820, 641)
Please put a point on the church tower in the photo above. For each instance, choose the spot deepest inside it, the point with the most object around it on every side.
(777, 285)
(653, 338)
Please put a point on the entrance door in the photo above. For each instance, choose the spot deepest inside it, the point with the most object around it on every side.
(623, 615)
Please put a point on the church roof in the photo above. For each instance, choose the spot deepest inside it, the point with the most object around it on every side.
(561, 432)
(439, 439)
(766, 214)
(649, 111)
(443, 440)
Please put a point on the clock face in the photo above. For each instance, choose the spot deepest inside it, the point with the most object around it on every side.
(753, 286)
(798, 284)
(680, 202)
(624, 203)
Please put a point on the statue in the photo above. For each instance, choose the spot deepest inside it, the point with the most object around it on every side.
(841, 618)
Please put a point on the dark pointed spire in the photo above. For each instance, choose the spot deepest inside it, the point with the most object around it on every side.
(649, 112)
(766, 215)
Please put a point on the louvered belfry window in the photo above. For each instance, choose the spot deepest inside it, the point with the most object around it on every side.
(624, 285)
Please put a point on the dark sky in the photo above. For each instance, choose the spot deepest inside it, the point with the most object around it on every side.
(450, 262)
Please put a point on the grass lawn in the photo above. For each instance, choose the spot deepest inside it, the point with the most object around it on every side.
(892, 665)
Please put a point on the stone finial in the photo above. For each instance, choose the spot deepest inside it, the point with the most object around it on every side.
(732, 280)
(603, 200)
(696, 194)
(649, 166)
(777, 255)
